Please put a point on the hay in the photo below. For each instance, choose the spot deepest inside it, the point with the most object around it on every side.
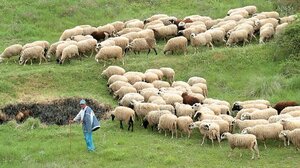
(54, 112)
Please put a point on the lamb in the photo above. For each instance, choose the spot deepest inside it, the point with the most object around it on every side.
(293, 136)
(69, 52)
(113, 70)
(289, 109)
(279, 106)
(171, 98)
(277, 118)
(290, 124)
(266, 32)
(127, 98)
(152, 118)
(71, 32)
(142, 109)
(151, 77)
(183, 110)
(265, 131)
(183, 123)
(201, 39)
(142, 85)
(141, 44)
(160, 84)
(133, 77)
(168, 122)
(237, 36)
(31, 53)
(259, 114)
(123, 114)
(115, 78)
(123, 91)
(176, 44)
(106, 53)
(168, 73)
(117, 85)
(242, 124)
(246, 141)
(165, 31)
(187, 99)
(199, 116)
(158, 72)
(11, 51)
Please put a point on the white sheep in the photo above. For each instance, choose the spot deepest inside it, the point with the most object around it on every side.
(158, 72)
(118, 25)
(112, 52)
(105, 43)
(280, 28)
(195, 79)
(277, 118)
(124, 90)
(117, 85)
(289, 109)
(168, 73)
(238, 36)
(199, 116)
(204, 110)
(176, 44)
(87, 46)
(288, 19)
(44, 44)
(124, 114)
(148, 92)
(204, 88)
(183, 123)
(260, 114)
(52, 49)
(246, 141)
(113, 70)
(69, 52)
(264, 131)
(251, 9)
(152, 118)
(156, 100)
(71, 32)
(122, 42)
(31, 53)
(142, 85)
(164, 32)
(142, 109)
(131, 36)
(183, 110)
(127, 98)
(80, 37)
(290, 124)
(142, 44)
(217, 34)
(146, 34)
(60, 47)
(151, 77)
(266, 32)
(134, 23)
(160, 84)
(171, 98)
(207, 129)
(167, 107)
(128, 30)
(11, 51)
(115, 78)
(133, 77)
(271, 14)
(168, 122)
(293, 136)
(294, 113)
(242, 124)
(109, 28)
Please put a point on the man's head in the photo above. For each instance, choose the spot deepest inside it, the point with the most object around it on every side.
(82, 103)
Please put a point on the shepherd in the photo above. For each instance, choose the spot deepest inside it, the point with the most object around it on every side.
(89, 122)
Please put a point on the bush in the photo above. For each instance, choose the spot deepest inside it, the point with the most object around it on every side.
(287, 44)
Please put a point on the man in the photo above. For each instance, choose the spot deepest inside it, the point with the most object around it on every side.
(85, 116)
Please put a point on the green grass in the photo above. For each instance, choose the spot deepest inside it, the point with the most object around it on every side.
(237, 73)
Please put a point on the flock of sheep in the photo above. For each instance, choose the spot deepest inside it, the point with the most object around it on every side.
(113, 40)
(156, 100)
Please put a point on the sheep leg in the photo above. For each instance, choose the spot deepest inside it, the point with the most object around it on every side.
(204, 136)
(121, 125)
(40, 61)
(172, 134)
(148, 51)
(212, 142)
(265, 144)
(155, 51)
(30, 61)
(165, 133)
(253, 153)
(230, 153)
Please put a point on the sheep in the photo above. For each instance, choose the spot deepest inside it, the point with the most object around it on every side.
(61, 47)
(187, 99)
(290, 124)
(183, 123)
(155, 17)
(156, 100)
(160, 84)
(204, 110)
(142, 109)
(292, 136)
(167, 107)
(127, 98)
(80, 37)
(122, 42)
(158, 72)
(241, 11)
(199, 116)
(264, 131)
(201, 39)
(277, 118)
(279, 106)
(195, 80)
(258, 101)
(115, 78)
(3, 117)
(152, 118)
(128, 30)
(146, 34)
(165, 31)
(19, 116)
(183, 110)
(31, 53)
(44, 44)
(124, 114)
(217, 34)
(287, 19)
(11, 51)
(151, 77)
(239, 107)
(280, 28)
(131, 36)
(88, 30)
(286, 141)
(132, 77)
(141, 44)
(203, 87)
(109, 28)
(218, 109)
(181, 84)
(100, 35)
(266, 32)
(271, 14)
(87, 46)
(148, 92)
(216, 101)
(142, 85)
(52, 49)
(69, 52)
(171, 98)
(207, 129)
(289, 109)
(105, 43)
(259, 114)
(124, 90)
(176, 44)
(71, 32)
(113, 70)
(224, 126)
(168, 73)
(242, 124)
(189, 31)
(246, 141)
(110, 52)
(251, 9)
(134, 23)
(168, 122)
(117, 85)
(118, 25)
(294, 113)
(237, 36)
(249, 110)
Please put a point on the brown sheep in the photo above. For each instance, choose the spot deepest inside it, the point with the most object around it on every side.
(99, 35)
(283, 104)
(187, 99)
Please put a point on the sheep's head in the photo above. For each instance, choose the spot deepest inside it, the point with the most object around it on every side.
(192, 126)
(196, 106)
(193, 35)
(205, 126)
(180, 33)
(98, 47)
(145, 123)
(112, 117)
(184, 94)
(236, 106)
(197, 116)
(245, 131)
(224, 135)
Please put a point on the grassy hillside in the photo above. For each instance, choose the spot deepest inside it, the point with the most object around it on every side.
(237, 73)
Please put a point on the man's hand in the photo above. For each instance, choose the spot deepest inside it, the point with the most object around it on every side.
(71, 121)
